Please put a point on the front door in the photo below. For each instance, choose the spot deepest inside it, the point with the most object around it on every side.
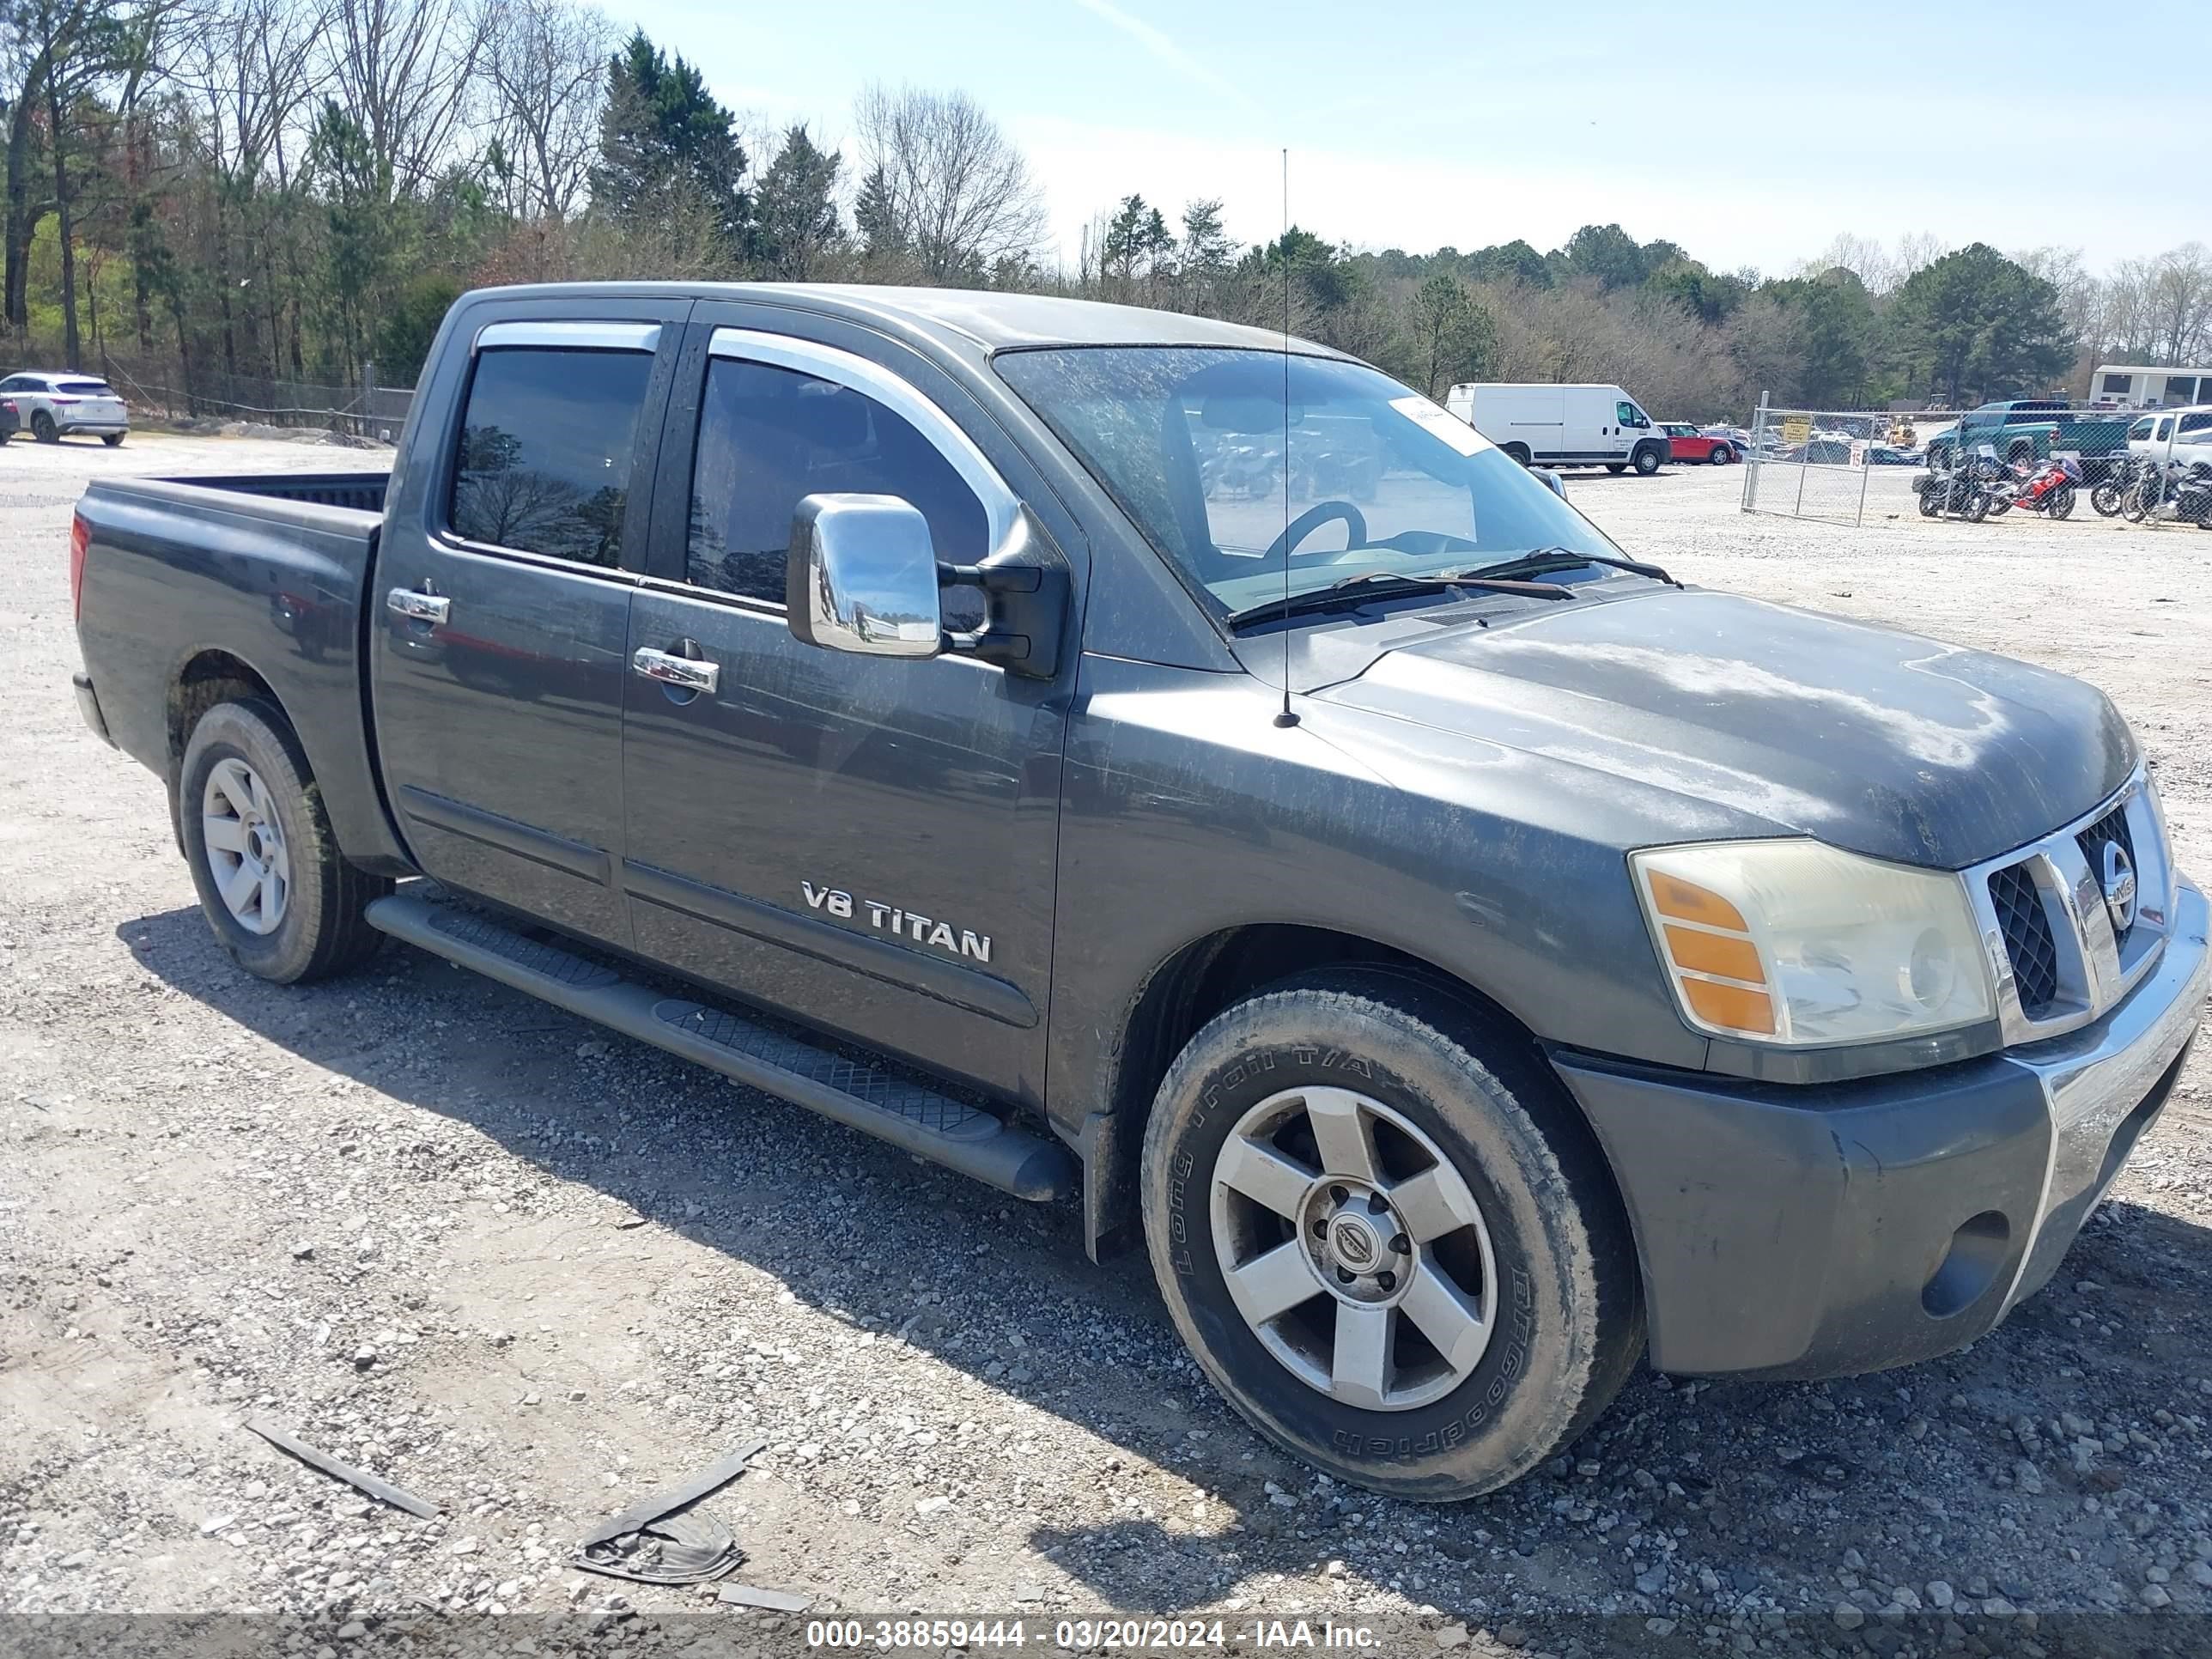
(864, 844)
(502, 614)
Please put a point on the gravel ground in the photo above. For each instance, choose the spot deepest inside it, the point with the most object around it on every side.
(533, 1272)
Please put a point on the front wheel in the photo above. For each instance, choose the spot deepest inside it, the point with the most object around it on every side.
(1978, 506)
(278, 894)
(1722, 455)
(1386, 1238)
(2062, 502)
(2105, 499)
(1647, 462)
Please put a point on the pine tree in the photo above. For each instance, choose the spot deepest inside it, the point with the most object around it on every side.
(798, 213)
(663, 134)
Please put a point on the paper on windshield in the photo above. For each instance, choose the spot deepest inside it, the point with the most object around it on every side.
(1439, 423)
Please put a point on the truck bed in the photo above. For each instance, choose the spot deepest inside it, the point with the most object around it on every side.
(362, 492)
(254, 577)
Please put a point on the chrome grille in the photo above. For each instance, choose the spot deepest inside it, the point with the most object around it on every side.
(2050, 936)
(2111, 828)
(2028, 941)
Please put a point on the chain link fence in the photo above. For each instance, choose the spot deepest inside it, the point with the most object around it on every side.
(1838, 464)
(2045, 455)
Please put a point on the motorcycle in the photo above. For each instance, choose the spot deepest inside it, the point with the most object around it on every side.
(2112, 491)
(2049, 488)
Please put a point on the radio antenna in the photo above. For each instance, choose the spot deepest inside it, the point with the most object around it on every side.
(1285, 716)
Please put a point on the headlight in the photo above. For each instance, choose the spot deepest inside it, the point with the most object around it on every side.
(1793, 943)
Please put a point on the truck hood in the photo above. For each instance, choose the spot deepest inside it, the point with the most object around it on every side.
(1884, 743)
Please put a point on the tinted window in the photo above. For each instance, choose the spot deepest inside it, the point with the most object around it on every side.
(2117, 383)
(769, 436)
(85, 388)
(2141, 429)
(2196, 422)
(546, 440)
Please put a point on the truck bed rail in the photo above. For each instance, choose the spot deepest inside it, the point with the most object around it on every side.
(362, 491)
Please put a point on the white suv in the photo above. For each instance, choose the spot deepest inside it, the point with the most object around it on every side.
(54, 405)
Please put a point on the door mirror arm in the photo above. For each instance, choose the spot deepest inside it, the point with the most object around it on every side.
(1025, 587)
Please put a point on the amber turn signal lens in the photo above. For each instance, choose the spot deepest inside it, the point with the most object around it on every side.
(1715, 953)
(1687, 902)
(1737, 1007)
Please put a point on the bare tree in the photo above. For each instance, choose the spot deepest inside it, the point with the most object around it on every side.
(247, 70)
(945, 192)
(544, 66)
(403, 70)
(2177, 303)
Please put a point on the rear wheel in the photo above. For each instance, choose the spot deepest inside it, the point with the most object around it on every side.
(112, 439)
(1386, 1238)
(1519, 452)
(2106, 498)
(279, 895)
(1616, 467)
(43, 427)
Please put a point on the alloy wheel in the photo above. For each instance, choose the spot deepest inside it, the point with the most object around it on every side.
(1354, 1250)
(245, 851)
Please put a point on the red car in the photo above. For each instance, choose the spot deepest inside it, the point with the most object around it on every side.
(1689, 444)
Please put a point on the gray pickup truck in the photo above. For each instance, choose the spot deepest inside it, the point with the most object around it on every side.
(1468, 957)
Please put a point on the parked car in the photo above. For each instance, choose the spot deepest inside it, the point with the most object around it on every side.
(11, 419)
(1688, 444)
(55, 405)
(1423, 926)
(1891, 455)
(1563, 425)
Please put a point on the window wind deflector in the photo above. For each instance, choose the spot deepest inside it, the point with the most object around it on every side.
(576, 336)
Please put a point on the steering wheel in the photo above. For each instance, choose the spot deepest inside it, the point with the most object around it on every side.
(1354, 521)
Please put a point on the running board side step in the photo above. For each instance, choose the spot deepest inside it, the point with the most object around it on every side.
(908, 1114)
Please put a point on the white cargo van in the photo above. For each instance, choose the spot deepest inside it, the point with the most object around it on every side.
(1563, 425)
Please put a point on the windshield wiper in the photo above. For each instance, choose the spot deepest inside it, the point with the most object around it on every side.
(1359, 588)
(1541, 559)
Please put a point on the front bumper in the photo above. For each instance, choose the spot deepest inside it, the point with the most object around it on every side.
(1824, 1231)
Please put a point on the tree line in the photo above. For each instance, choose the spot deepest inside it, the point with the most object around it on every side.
(288, 190)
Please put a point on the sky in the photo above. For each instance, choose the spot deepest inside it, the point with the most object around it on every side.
(1750, 136)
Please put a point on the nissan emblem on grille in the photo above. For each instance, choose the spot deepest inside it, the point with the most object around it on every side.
(2119, 885)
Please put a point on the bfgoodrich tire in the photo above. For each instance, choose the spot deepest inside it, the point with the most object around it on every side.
(1496, 1310)
(279, 895)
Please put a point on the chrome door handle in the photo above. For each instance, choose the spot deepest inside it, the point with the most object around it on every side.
(684, 673)
(419, 607)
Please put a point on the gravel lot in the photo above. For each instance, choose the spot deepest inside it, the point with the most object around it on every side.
(533, 1272)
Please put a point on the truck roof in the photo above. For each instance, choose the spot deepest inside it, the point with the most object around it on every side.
(972, 319)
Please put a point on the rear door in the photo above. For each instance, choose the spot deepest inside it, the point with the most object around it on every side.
(501, 604)
(864, 844)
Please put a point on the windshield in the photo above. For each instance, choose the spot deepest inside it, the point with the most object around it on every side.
(1197, 445)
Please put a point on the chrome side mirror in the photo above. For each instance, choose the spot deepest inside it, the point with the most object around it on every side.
(862, 576)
